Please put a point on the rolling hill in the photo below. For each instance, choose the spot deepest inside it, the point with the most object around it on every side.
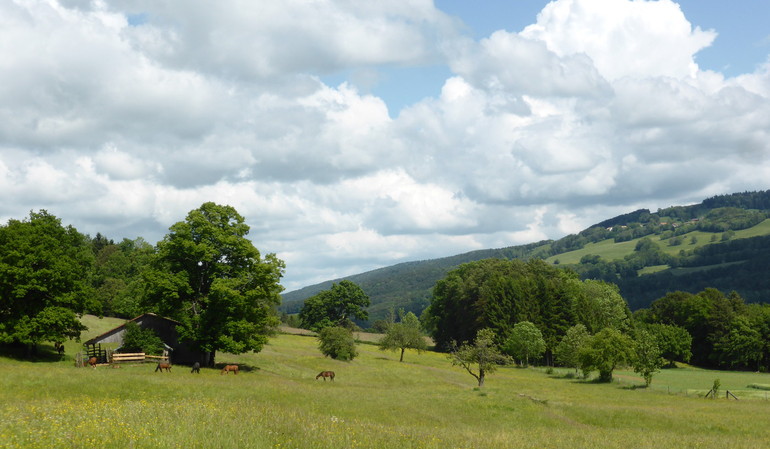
(722, 242)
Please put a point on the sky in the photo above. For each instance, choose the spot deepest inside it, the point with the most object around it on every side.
(354, 135)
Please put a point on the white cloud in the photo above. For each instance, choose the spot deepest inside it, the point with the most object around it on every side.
(623, 38)
(120, 117)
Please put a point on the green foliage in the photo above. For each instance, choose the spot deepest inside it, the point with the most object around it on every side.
(725, 332)
(604, 352)
(482, 355)
(715, 388)
(646, 359)
(44, 281)
(118, 274)
(599, 305)
(674, 342)
(525, 341)
(335, 307)
(136, 339)
(211, 278)
(403, 335)
(496, 293)
(337, 342)
(568, 350)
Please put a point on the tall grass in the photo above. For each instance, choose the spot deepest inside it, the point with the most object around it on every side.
(374, 402)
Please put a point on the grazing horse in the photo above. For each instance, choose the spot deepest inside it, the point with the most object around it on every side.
(92, 362)
(163, 366)
(59, 346)
(325, 374)
(228, 368)
(196, 368)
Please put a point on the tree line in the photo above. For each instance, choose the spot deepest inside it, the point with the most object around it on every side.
(533, 311)
(204, 273)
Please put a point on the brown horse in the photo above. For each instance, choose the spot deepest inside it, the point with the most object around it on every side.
(163, 366)
(325, 374)
(92, 362)
(228, 368)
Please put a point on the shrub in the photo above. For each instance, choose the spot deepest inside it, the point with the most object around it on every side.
(337, 342)
(137, 339)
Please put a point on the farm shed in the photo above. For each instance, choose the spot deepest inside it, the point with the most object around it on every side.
(181, 353)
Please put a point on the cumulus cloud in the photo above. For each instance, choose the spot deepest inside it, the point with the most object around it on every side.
(121, 116)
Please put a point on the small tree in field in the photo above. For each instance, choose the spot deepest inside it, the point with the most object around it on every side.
(604, 351)
(482, 353)
(569, 347)
(403, 335)
(525, 341)
(646, 359)
(337, 342)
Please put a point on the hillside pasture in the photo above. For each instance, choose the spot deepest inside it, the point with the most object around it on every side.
(374, 402)
(609, 250)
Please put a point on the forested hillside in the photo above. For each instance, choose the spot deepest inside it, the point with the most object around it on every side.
(722, 242)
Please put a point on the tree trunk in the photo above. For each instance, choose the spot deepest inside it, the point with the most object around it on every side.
(481, 378)
(402, 355)
(210, 358)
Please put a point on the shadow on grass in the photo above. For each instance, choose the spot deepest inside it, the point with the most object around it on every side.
(634, 387)
(242, 368)
(42, 353)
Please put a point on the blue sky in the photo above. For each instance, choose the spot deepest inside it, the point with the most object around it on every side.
(742, 44)
(356, 135)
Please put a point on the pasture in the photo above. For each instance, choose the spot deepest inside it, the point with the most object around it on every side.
(374, 402)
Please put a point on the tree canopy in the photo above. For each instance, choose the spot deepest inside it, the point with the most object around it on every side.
(335, 307)
(212, 279)
(44, 281)
(604, 351)
(404, 335)
(482, 354)
(525, 341)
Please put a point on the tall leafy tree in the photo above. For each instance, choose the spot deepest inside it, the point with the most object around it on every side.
(568, 350)
(480, 357)
(599, 305)
(404, 335)
(646, 359)
(335, 307)
(525, 341)
(212, 279)
(44, 281)
(674, 342)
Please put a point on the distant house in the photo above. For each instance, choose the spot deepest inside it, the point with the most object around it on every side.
(180, 353)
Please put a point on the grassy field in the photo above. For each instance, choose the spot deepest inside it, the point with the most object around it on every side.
(375, 402)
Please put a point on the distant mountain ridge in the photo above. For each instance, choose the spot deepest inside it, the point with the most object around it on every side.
(723, 241)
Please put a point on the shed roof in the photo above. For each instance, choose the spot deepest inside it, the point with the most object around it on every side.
(115, 330)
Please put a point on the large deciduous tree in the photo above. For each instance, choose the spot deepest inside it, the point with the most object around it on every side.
(212, 279)
(335, 307)
(44, 281)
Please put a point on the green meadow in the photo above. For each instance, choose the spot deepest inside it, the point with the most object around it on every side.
(609, 250)
(375, 402)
